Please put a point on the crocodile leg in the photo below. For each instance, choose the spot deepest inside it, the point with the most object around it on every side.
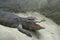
(20, 28)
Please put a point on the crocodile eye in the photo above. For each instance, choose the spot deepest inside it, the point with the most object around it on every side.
(31, 18)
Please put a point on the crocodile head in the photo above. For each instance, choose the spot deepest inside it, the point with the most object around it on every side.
(31, 23)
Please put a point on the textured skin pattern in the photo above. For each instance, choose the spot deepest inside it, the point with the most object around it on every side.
(24, 25)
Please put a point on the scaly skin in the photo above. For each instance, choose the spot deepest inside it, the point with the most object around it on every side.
(22, 24)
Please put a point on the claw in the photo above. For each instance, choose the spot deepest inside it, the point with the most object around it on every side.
(29, 35)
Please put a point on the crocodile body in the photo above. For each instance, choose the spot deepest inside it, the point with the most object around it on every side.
(9, 19)
(22, 24)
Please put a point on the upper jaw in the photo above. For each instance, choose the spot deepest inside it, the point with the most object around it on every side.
(38, 21)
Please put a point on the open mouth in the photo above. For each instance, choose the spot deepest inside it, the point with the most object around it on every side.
(39, 26)
(36, 24)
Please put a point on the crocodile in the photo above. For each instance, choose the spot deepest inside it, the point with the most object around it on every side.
(24, 25)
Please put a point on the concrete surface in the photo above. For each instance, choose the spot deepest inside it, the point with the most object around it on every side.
(51, 31)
